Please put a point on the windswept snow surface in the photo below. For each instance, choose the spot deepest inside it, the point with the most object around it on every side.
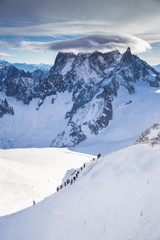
(33, 174)
(116, 197)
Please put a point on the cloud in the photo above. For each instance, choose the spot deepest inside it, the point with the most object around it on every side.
(17, 12)
(90, 43)
(114, 22)
(52, 17)
(96, 20)
(73, 28)
(5, 45)
(4, 55)
(151, 38)
(62, 28)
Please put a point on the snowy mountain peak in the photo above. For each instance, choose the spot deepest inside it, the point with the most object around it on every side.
(82, 87)
(61, 61)
(150, 136)
(85, 62)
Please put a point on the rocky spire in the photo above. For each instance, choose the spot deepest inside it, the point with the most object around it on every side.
(127, 56)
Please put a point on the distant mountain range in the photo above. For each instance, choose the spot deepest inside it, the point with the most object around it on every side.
(88, 102)
(157, 67)
(27, 67)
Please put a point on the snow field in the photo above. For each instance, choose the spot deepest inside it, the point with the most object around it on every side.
(115, 197)
(33, 174)
(40, 127)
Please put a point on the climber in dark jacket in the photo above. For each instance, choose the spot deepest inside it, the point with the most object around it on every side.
(99, 155)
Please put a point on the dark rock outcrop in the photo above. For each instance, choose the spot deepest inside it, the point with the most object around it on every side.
(5, 108)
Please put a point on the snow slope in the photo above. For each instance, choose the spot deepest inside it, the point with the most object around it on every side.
(39, 126)
(33, 174)
(115, 197)
(132, 114)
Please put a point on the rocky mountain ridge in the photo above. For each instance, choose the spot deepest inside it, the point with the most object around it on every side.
(150, 136)
(21, 85)
(102, 87)
(91, 81)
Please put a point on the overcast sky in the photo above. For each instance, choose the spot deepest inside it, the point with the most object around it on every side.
(34, 31)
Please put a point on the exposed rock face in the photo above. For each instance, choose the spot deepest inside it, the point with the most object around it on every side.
(92, 80)
(23, 86)
(97, 77)
(150, 136)
(5, 108)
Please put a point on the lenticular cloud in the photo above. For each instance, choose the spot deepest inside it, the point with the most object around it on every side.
(90, 43)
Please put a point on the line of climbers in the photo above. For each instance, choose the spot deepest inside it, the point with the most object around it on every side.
(70, 181)
(98, 156)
